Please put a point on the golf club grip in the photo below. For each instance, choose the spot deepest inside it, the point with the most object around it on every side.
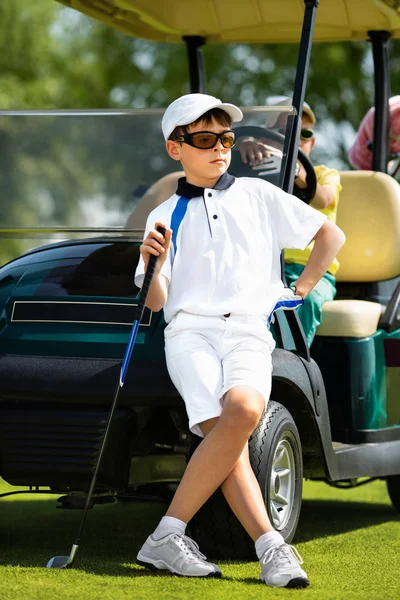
(147, 281)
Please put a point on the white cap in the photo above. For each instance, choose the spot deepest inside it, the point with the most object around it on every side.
(273, 117)
(190, 107)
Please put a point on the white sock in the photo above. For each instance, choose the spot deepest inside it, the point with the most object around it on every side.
(272, 539)
(168, 525)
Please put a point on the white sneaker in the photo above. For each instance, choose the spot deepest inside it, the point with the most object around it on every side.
(176, 553)
(280, 567)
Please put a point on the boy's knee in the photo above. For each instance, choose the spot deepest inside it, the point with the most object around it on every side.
(245, 407)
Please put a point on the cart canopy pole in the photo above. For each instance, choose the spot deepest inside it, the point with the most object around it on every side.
(197, 73)
(292, 144)
(380, 145)
(300, 85)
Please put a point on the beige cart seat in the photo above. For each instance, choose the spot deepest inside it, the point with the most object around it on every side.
(155, 195)
(369, 214)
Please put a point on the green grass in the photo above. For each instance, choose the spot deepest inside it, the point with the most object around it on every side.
(349, 540)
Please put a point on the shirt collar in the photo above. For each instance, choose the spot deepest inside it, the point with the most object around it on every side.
(188, 190)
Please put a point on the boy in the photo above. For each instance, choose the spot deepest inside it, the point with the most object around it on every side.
(326, 200)
(218, 279)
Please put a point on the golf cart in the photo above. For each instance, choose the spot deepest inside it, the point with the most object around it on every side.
(66, 307)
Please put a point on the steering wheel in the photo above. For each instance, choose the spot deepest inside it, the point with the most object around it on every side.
(270, 168)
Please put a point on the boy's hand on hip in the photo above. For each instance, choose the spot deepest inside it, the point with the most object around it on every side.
(157, 245)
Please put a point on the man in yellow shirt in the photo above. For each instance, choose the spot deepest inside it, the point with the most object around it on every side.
(326, 200)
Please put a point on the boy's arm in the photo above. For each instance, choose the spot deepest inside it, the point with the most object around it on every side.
(327, 243)
(158, 292)
(158, 245)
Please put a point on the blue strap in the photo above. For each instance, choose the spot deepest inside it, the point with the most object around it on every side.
(177, 218)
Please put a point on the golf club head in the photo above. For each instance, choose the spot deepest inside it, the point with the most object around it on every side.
(58, 562)
(62, 562)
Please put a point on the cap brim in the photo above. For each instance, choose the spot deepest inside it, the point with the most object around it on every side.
(273, 117)
(233, 111)
(310, 113)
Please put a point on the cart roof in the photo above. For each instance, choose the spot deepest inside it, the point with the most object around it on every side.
(235, 21)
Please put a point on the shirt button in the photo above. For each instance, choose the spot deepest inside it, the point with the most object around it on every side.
(215, 216)
(209, 194)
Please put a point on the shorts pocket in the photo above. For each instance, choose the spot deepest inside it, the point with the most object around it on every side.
(180, 342)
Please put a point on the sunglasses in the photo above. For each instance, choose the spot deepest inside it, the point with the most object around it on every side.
(306, 134)
(205, 140)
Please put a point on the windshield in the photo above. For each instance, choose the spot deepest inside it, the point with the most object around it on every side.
(80, 173)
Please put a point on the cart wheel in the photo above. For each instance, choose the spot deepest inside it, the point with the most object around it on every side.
(275, 455)
(393, 486)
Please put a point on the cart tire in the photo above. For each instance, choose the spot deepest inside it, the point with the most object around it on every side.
(393, 486)
(274, 448)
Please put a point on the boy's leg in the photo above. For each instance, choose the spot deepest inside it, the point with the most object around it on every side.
(243, 493)
(280, 563)
(280, 567)
(218, 453)
(209, 466)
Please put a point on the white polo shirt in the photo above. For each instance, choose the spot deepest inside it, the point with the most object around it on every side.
(227, 242)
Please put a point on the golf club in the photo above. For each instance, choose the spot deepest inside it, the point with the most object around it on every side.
(61, 562)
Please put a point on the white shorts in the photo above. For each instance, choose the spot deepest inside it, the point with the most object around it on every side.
(207, 356)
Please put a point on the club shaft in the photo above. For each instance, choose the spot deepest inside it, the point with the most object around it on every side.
(128, 352)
